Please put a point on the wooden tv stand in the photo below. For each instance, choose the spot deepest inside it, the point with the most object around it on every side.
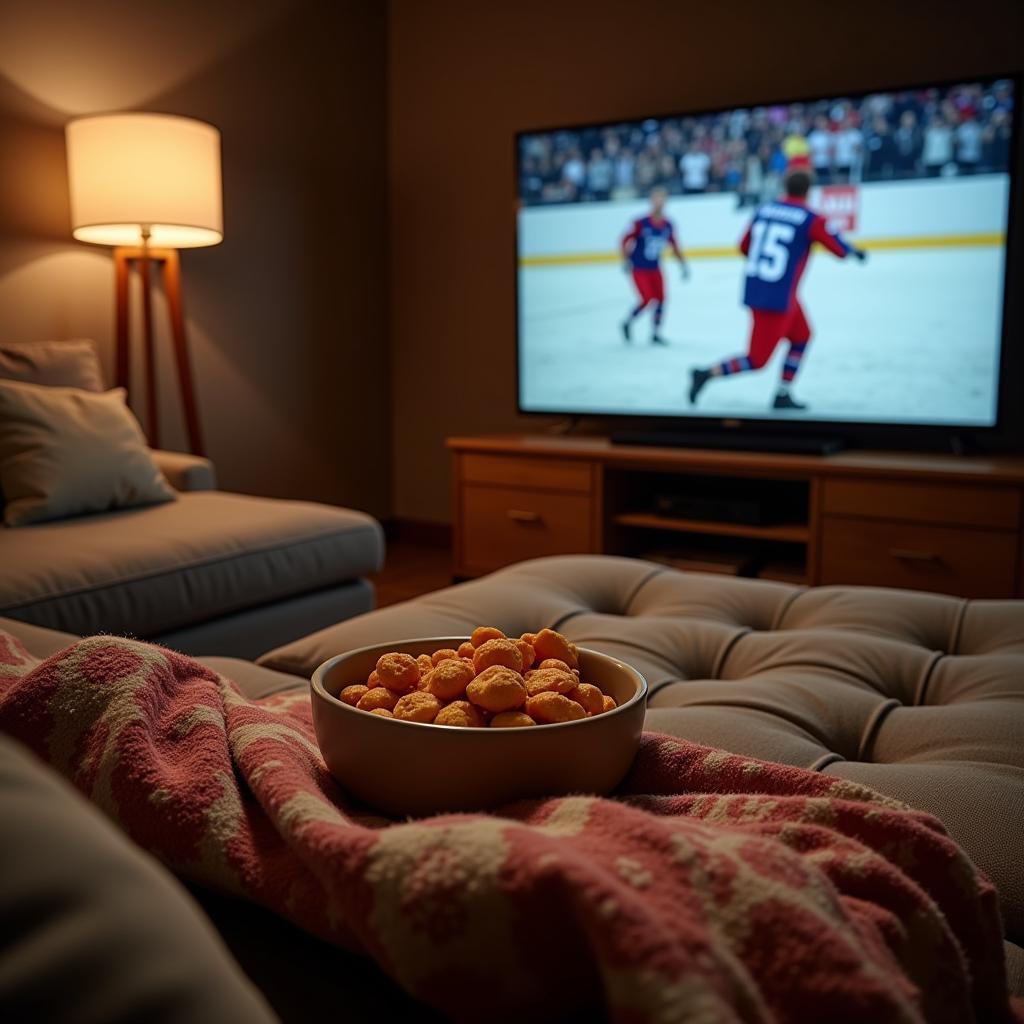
(945, 523)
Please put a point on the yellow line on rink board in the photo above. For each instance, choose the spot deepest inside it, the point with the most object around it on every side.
(722, 251)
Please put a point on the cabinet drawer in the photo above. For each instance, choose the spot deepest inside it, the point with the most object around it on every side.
(502, 525)
(945, 559)
(513, 471)
(996, 507)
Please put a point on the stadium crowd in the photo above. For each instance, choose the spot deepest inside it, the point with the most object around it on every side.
(934, 132)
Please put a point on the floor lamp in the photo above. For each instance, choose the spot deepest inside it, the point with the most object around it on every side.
(149, 185)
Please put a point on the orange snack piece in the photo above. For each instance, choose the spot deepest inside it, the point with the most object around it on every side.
(608, 703)
(555, 663)
(511, 720)
(542, 680)
(527, 653)
(547, 708)
(444, 654)
(461, 713)
(417, 707)
(550, 644)
(378, 697)
(424, 663)
(590, 698)
(466, 650)
(398, 672)
(351, 695)
(497, 689)
(498, 652)
(482, 634)
(529, 638)
(448, 681)
(373, 679)
(383, 712)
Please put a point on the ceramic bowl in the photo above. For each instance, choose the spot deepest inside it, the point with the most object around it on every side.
(409, 768)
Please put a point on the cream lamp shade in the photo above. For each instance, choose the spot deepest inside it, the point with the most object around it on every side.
(138, 178)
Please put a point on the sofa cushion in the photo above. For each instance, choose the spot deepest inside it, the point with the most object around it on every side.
(253, 680)
(65, 451)
(185, 472)
(94, 929)
(61, 364)
(152, 570)
(917, 695)
(252, 631)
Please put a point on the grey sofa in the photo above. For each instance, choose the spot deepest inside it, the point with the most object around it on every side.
(212, 572)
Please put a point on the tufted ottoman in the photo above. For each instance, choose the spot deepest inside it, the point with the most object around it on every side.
(917, 695)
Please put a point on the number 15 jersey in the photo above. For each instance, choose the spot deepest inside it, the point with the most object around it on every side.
(776, 245)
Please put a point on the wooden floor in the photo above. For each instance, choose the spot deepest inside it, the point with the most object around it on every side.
(411, 570)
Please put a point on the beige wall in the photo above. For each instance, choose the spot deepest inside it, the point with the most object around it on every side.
(464, 76)
(287, 317)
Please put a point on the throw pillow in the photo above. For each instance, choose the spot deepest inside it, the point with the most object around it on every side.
(58, 364)
(64, 451)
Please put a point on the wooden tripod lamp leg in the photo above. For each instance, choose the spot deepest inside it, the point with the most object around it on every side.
(150, 348)
(122, 266)
(172, 289)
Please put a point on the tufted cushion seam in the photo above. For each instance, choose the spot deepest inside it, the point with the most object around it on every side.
(651, 652)
(560, 622)
(784, 606)
(927, 674)
(719, 665)
(656, 571)
(652, 689)
(872, 727)
(824, 761)
(808, 726)
(956, 631)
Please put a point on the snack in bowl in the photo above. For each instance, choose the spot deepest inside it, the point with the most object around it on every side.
(493, 677)
(459, 740)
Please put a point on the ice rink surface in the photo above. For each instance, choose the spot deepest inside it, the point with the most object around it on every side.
(910, 336)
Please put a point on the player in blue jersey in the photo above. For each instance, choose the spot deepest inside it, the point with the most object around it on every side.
(777, 245)
(642, 247)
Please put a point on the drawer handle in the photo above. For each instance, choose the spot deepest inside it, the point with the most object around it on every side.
(912, 555)
(519, 515)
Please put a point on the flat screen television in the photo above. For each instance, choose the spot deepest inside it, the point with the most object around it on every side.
(837, 261)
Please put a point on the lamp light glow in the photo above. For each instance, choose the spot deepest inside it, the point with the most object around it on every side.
(145, 178)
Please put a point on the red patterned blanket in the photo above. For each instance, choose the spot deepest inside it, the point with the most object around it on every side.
(714, 888)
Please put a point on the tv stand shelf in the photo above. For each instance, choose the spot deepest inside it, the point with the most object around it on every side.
(652, 521)
(945, 523)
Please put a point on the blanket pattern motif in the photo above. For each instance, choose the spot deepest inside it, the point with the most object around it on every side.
(712, 888)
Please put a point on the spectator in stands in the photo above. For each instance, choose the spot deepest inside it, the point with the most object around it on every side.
(531, 182)
(753, 181)
(600, 173)
(968, 145)
(625, 168)
(668, 173)
(907, 140)
(695, 165)
(646, 174)
(880, 152)
(820, 141)
(995, 142)
(938, 146)
(732, 170)
(849, 149)
(574, 174)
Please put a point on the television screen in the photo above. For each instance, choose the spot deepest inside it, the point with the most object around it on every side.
(833, 260)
